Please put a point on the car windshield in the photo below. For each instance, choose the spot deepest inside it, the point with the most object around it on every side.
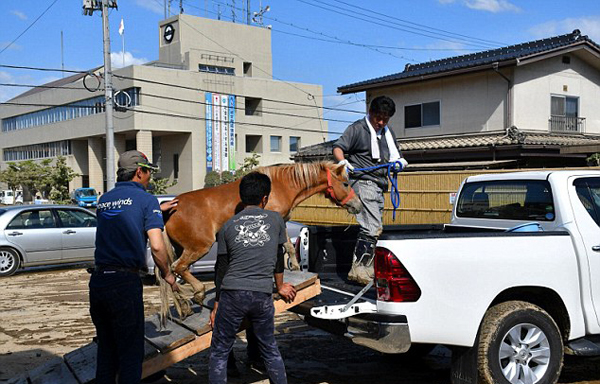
(87, 192)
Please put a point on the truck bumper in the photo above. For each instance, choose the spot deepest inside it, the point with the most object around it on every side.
(383, 333)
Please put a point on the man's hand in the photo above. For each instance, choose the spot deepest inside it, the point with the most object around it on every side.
(287, 292)
(172, 281)
(168, 205)
(346, 163)
(400, 164)
(213, 314)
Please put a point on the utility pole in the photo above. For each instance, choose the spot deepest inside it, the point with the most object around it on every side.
(248, 17)
(89, 6)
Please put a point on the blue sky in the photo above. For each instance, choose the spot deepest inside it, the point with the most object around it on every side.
(327, 42)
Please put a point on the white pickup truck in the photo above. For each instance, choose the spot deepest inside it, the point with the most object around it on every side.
(508, 299)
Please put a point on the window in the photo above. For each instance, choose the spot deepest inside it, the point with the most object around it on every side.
(176, 166)
(422, 115)
(507, 200)
(275, 143)
(564, 112)
(73, 218)
(218, 70)
(33, 220)
(588, 191)
(253, 143)
(253, 106)
(68, 112)
(38, 151)
(247, 69)
(294, 143)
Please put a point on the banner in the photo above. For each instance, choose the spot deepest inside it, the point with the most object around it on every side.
(209, 132)
(231, 133)
(217, 132)
(224, 133)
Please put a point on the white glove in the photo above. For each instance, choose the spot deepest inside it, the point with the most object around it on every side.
(401, 166)
(349, 167)
(403, 162)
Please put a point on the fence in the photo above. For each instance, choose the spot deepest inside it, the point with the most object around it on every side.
(424, 199)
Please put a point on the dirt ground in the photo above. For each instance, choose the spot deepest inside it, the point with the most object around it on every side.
(44, 313)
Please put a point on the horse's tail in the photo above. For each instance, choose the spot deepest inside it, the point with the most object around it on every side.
(165, 289)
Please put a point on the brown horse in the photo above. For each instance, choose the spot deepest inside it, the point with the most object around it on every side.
(200, 214)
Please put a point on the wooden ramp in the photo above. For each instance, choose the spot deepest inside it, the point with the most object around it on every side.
(164, 347)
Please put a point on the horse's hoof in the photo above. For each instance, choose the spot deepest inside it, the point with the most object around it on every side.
(199, 297)
(186, 309)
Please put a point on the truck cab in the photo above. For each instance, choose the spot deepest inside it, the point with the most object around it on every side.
(85, 197)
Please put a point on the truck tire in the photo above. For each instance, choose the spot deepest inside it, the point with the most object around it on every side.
(9, 261)
(519, 343)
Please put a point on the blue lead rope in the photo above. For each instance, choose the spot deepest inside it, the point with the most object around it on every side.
(392, 174)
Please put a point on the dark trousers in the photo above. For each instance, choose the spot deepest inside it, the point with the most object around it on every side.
(258, 308)
(117, 310)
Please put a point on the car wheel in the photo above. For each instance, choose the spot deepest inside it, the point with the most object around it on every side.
(519, 343)
(9, 262)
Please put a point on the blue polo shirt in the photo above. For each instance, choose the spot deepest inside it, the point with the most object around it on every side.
(125, 214)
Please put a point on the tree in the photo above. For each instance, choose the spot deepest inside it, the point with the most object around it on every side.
(214, 178)
(59, 177)
(160, 185)
(593, 160)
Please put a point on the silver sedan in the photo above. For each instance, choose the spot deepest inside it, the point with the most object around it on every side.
(34, 235)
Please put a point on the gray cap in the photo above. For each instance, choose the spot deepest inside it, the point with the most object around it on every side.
(132, 160)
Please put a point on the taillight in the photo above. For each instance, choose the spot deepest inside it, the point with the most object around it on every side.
(393, 281)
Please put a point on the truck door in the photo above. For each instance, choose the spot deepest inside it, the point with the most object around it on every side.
(587, 211)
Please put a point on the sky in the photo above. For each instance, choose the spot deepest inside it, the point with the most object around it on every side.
(327, 42)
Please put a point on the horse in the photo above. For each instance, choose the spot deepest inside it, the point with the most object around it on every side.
(191, 227)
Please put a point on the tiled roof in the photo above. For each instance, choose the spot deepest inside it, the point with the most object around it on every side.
(324, 150)
(478, 59)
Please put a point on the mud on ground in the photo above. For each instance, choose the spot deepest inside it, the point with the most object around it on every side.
(44, 314)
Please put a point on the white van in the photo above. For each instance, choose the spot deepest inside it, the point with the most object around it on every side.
(8, 197)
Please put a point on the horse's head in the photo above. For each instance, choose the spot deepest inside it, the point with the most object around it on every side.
(339, 190)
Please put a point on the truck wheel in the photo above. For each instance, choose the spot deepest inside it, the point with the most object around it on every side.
(519, 343)
(9, 262)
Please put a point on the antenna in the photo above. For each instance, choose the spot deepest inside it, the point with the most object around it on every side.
(62, 54)
(258, 16)
(233, 10)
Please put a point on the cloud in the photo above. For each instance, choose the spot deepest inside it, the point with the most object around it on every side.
(589, 25)
(152, 6)
(19, 14)
(13, 47)
(493, 6)
(116, 59)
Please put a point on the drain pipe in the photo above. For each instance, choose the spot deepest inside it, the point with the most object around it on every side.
(508, 114)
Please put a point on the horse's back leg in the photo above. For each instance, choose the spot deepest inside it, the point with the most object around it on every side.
(181, 267)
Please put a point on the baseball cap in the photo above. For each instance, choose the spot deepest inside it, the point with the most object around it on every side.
(132, 160)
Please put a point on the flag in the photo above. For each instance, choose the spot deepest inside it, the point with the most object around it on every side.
(121, 28)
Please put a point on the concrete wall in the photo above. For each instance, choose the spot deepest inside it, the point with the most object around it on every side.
(535, 83)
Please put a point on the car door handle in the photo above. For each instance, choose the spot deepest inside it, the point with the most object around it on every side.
(596, 248)
(69, 232)
(15, 233)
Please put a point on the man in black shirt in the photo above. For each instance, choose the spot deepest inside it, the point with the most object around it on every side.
(250, 253)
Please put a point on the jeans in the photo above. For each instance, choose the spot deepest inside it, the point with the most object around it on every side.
(117, 310)
(370, 218)
(233, 307)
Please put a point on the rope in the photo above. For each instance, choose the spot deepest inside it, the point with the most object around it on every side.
(392, 173)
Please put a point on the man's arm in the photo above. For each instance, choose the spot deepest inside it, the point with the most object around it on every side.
(285, 290)
(338, 154)
(159, 254)
(220, 269)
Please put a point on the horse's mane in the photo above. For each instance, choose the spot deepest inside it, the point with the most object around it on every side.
(300, 175)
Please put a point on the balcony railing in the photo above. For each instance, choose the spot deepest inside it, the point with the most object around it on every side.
(566, 124)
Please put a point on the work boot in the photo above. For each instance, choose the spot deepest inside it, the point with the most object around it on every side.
(362, 270)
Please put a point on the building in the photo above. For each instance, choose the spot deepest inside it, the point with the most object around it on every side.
(208, 102)
(534, 104)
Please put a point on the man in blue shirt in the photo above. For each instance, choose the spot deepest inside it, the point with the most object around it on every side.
(128, 217)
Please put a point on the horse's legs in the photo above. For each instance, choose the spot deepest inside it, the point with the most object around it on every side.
(291, 254)
(180, 267)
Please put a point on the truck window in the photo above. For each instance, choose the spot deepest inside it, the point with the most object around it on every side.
(588, 191)
(507, 200)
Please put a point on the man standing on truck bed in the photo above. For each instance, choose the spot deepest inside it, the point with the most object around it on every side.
(128, 216)
(367, 143)
(250, 253)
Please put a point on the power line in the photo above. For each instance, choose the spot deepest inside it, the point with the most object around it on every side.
(30, 25)
(190, 117)
(430, 35)
(177, 86)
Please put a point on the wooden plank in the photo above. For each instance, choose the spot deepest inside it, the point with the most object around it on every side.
(53, 372)
(149, 350)
(169, 338)
(197, 323)
(200, 343)
(82, 362)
